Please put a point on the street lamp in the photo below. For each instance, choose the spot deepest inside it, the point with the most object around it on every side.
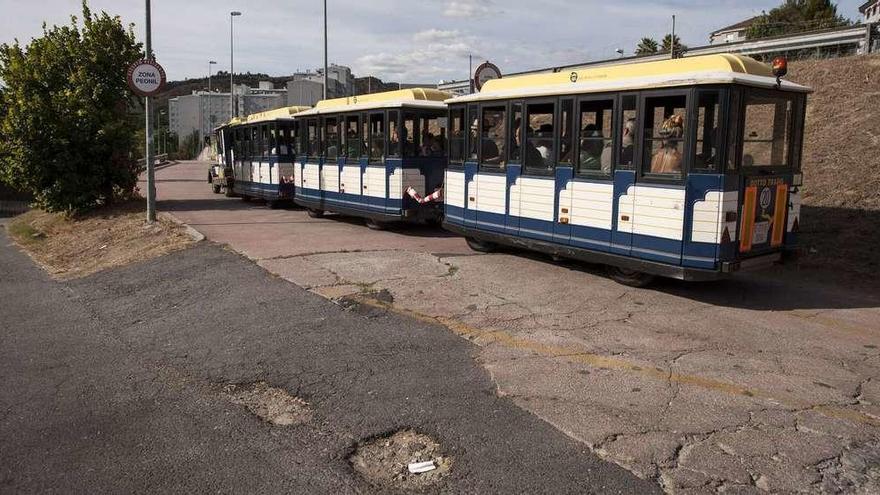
(232, 16)
(210, 71)
(325, 49)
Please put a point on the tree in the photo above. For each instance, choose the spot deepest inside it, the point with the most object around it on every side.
(667, 44)
(647, 46)
(66, 135)
(795, 16)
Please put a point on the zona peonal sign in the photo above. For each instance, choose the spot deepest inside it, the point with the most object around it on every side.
(146, 77)
(485, 72)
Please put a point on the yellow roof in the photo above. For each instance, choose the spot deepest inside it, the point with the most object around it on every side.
(413, 97)
(707, 69)
(279, 113)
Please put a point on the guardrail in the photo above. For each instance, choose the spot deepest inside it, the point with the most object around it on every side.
(157, 160)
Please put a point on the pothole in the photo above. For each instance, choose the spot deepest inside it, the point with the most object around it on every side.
(384, 461)
(270, 404)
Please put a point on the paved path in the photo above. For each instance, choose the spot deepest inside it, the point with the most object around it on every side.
(116, 384)
(765, 382)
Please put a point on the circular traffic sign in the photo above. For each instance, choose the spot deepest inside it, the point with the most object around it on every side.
(485, 72)
(146, 77)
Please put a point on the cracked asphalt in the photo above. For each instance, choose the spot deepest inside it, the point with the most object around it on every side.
(117, 383)
(763, 383)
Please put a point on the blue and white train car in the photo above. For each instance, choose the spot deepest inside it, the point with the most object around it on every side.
(376, 156)
(262, 155)
(686, 168)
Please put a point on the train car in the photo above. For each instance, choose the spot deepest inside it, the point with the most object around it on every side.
(685, 168)
(220, 175)
(262, 155)
(379, 156)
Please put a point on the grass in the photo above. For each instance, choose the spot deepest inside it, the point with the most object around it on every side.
(72, 247)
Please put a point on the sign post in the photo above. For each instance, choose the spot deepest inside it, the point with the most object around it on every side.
(146, 78)
(485, 72)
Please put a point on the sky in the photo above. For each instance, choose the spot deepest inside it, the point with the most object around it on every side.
(413, 41)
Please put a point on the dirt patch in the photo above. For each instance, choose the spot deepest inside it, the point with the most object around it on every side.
(384, 461)
(80, 246)
(272, 405)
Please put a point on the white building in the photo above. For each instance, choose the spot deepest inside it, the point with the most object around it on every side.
(731, 34)
(307, 88)
(870, 11)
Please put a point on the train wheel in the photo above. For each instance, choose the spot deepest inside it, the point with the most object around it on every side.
(631, 278)
(315, 213)
(375, 224)
(480, 246)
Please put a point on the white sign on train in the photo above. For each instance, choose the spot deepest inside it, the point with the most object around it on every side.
(146, 77)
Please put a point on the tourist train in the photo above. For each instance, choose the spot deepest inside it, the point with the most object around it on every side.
(686, 168)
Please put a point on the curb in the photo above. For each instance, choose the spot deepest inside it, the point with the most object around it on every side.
(195, 234)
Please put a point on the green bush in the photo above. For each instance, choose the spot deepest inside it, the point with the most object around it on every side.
(66, 134)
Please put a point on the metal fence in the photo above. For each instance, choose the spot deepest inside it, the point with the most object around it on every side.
(13, 202)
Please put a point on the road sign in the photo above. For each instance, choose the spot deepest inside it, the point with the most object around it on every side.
(485, 72)
(146, 77)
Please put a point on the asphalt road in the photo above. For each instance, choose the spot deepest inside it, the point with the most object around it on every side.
(113, 384)
(762, 383)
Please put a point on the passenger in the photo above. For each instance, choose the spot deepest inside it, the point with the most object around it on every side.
(545, 146)
(493, 131)
(352, 151)
(525, 151)
(626, 150)
(591, 148)
(667, 159)
(475, 127)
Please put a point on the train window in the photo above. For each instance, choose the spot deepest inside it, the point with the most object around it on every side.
(664, 142)
(538, 152)
(515, 134)
(377, 137)
(352, 136)
(268, 140)
(456, 134)
(473, 124)
(432, 135)
(297, 138)
(394, 134)
(409, 135)
(365, 135)
(331, 138)
(708, 150)
(313, 140)
(565, 141)
(595, 140)
(734, 128)
(492, 149)
(766, 131)
(626, 132)
(256, 144)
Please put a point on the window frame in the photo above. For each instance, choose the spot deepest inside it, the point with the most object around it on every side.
(313, 121)
(616, 134)
(551, 172)
(770, 93)
(384, 117)
(724, 126)
(358, 138)
(398, 126)
(492, 168)
(511, 132)
(456, 162)
(688, 136)
(468, 121)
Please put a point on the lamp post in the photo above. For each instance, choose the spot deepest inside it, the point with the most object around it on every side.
(325, 49)
(148, 152)
(232, 16)
(210, 71)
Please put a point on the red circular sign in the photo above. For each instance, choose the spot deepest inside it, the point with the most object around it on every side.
(146, 77)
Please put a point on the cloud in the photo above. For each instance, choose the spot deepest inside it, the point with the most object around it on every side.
(470, 9)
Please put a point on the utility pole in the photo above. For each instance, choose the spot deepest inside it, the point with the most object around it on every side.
(471, 71)
(148, 155)
(672, 41)
(325, 49)
(232, 16)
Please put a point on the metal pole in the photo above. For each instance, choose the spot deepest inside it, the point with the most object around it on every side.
(471, 72)
(231, 68)
(148, 155)
(672, 41)
(325, 49)
(209, 77)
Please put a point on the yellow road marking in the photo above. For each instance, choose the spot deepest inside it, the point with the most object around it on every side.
(573, 354)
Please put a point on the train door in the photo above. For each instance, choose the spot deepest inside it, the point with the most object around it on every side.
(628, 159)
(490, 205)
